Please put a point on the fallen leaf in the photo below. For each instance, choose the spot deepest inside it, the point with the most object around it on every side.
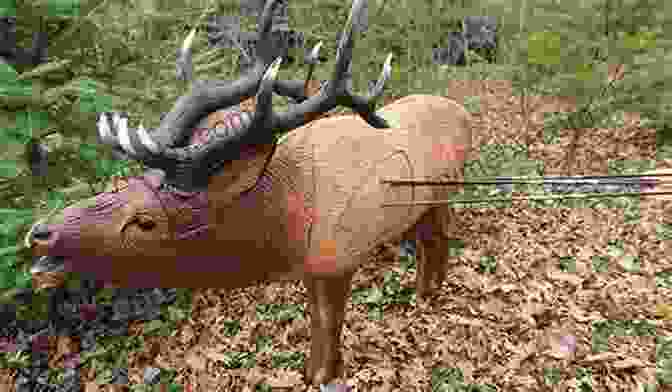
(602, 357)
(195, 360)
(285, 379)
(628, 363)
(664, 311)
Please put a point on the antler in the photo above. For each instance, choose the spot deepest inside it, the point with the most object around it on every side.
(190, 167)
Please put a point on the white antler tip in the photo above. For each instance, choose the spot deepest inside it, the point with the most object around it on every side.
(147, 140)
(273, 69)
(116, 119)
(124, 138)
(26, 239)
(103, 126)
(387, 67)
(186, 45)
(316, 49)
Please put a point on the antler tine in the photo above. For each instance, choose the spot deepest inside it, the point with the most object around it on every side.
(264, 107)
(296, 89)
(364, 106)
(312, 59)
(184, 67)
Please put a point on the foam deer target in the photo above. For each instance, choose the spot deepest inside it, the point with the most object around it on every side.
(226, 204)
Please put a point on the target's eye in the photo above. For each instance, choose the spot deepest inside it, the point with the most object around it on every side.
(145, 223)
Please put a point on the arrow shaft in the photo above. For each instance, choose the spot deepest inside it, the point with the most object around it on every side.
(469, 201)
(618, 179)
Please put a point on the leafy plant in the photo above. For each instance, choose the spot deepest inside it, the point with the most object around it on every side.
(551, 376)
(238, 360)
(280, 312)
(487, 264)
(231, 327)
(473, 104)
(567, 264)
(391, 292)
(288, 360)
(452, 379)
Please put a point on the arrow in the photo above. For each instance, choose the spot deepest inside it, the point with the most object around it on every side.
(646, 180)
(611, 179)
(469, 201)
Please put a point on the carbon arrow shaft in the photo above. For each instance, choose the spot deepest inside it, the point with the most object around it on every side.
(470, 201)
(610, 179)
